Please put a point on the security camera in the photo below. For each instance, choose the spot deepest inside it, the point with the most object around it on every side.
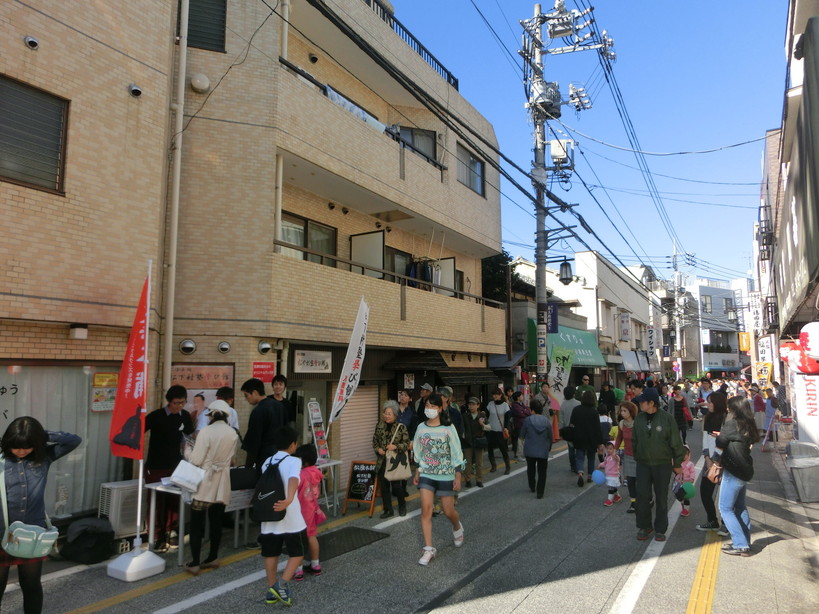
(31, 42)
(187, 346)
(223, 347)
(135, 90)
(264, 347)
(313, 58)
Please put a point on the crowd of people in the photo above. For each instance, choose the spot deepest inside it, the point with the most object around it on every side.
(634, 438)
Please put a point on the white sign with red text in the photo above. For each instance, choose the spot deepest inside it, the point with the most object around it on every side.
(805, 403)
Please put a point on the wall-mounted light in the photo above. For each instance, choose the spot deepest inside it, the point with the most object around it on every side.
(378, 224)
(187, 346)
(312, 57)
(345, 210)
(200, 83)
(31, 42)
(331, 206)
(388, 229)
(223, 347)
(265, 347)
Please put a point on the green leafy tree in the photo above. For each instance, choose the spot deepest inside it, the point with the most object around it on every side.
(493, 276)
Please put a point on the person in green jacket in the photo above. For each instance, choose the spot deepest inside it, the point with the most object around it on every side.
(658, 450)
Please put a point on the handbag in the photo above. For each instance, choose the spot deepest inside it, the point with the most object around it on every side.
(481, 443)
(567, 433)
(187, 476)
(714, 473)
(25, 541)
(398, 467)
(243, 478)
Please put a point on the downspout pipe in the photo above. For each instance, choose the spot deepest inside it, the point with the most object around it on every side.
(279, 185)
(173, 230)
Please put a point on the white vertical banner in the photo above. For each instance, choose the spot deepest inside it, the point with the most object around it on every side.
(655, 338)
(625, 326)
(764, 349)
(805, 401)
(755, 302)
(353, 362)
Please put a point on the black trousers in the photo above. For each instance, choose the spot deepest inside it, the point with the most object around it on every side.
(536, 472)
(707, 488)
(388, 489)
(496, 440)
(653, 479)
(197, 531)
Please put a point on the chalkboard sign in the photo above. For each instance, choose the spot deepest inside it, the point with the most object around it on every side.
(361, 487)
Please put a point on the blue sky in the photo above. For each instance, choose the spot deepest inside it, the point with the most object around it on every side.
(693, 77)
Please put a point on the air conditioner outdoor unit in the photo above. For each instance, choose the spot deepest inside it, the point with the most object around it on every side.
(118, 503)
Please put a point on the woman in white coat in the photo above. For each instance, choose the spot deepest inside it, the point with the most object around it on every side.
(215, 447)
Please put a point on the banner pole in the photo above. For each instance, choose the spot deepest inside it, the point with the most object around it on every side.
(140, 477)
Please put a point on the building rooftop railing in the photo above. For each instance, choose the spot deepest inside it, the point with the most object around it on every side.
(386, 14)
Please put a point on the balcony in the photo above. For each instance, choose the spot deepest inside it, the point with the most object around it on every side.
(340, 150)
(771, 314)
(400, 316)
(387, 15)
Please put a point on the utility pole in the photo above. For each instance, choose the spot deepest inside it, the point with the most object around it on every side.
(544, 103)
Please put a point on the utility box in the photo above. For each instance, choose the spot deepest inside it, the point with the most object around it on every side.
(803, 461)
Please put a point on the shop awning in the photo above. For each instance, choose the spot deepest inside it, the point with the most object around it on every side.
(586, 351)
(630, 361)
(466, 377)
(416, 361)
(653, 364)
(726, 369)
(500, 362)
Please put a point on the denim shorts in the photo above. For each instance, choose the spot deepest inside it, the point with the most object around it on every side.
(442, 488)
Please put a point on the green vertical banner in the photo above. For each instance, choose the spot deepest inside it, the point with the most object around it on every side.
(562, 360)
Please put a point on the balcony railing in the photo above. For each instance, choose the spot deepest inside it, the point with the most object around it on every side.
(388, 276)
(387, 16)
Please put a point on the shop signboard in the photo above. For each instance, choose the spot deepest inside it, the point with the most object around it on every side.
(361, 485)
(805, 404)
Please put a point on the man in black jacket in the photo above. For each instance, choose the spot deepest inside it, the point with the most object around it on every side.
(266, 418)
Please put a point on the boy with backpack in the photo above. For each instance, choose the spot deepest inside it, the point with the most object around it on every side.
(289, 530)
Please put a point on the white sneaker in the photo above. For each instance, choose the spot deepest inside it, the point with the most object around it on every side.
(459, 536)
(429, 554)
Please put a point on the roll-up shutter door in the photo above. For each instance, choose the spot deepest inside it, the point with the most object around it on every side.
(357, 425)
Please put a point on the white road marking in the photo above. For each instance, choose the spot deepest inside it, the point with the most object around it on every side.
(633, 588)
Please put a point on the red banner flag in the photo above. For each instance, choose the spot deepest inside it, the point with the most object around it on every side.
(128, 419)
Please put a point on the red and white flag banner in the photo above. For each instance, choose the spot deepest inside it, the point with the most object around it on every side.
(128, 419)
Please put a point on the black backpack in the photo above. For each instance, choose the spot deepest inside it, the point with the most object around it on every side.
(89, 541)
(269, 489)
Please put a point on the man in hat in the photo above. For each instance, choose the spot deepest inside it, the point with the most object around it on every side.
(658, 450)
(421, 403)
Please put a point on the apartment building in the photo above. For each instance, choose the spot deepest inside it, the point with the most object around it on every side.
(325, 155)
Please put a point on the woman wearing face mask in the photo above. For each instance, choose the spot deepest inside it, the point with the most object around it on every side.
(440, 462)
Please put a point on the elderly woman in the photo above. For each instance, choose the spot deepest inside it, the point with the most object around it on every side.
(390, 435)
(215, 447)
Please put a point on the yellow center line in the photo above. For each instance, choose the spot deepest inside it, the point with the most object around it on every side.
(705, 580)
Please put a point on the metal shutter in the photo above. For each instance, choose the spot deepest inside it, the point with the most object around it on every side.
(356, 427)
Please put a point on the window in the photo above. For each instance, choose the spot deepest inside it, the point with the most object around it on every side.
(729, 304)
(309, 234)
(397, 262)
(470, 170)
(206, 24)
(422, 141)
(32, 135)
(706, 303)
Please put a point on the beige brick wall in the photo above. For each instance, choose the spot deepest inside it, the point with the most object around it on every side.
(82, 256)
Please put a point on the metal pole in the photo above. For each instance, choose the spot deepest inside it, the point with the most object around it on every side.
(541, 236)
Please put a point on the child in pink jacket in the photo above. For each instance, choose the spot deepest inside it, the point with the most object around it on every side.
(611, 467)
(687, 475)
(309, 491)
